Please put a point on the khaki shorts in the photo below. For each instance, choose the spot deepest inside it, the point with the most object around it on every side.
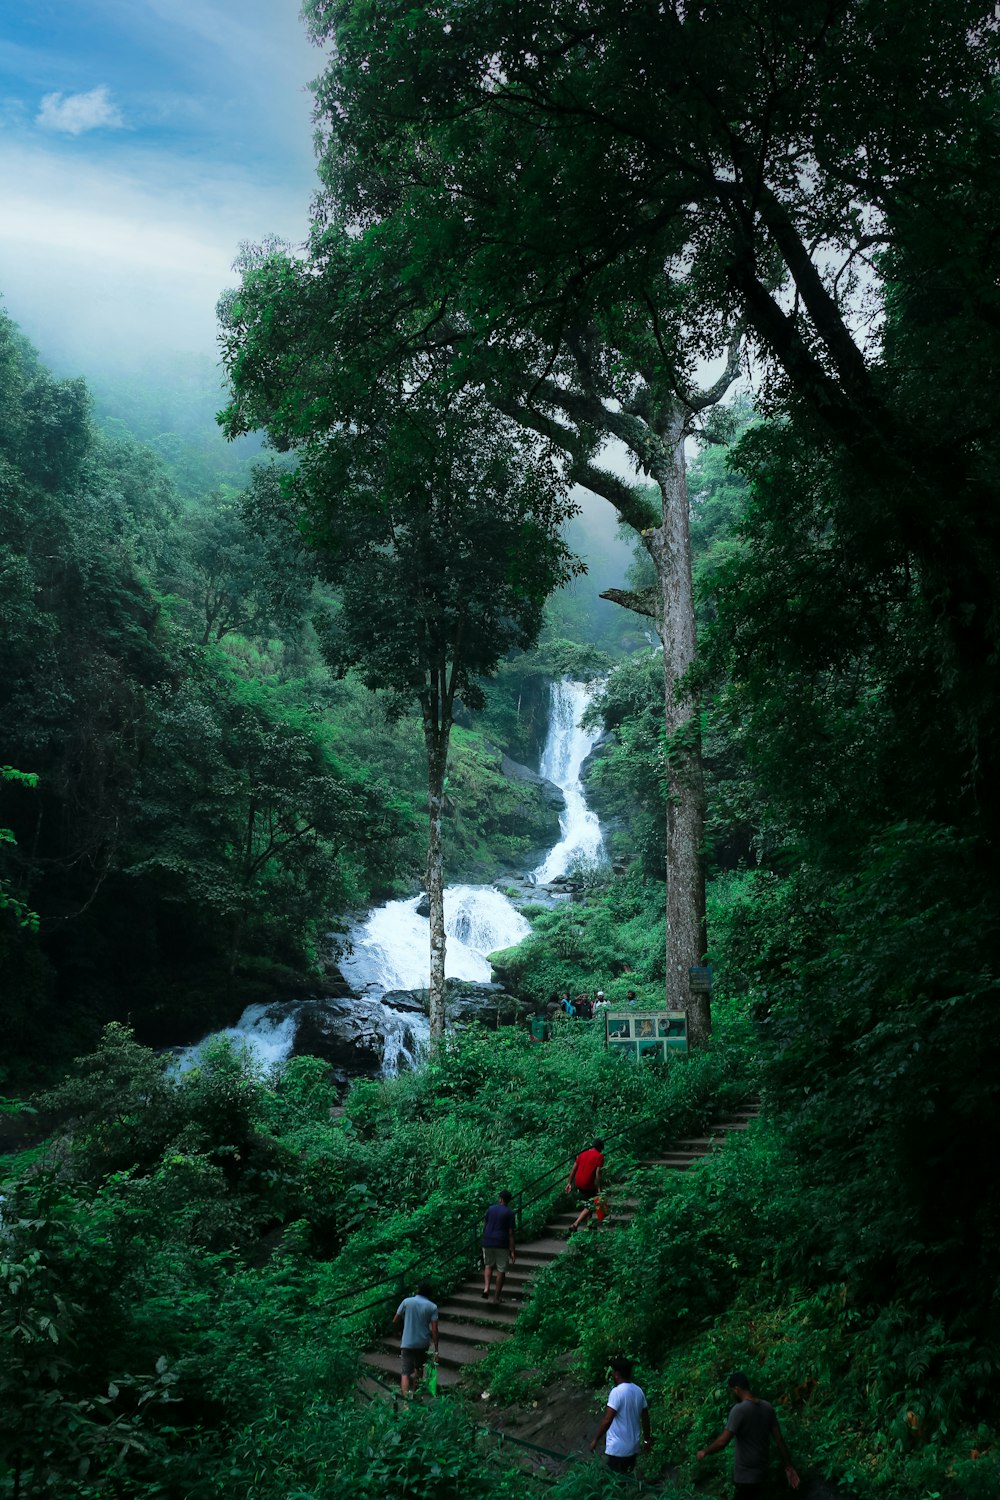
(493, 1255)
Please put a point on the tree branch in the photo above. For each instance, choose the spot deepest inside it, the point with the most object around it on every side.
(640, 602)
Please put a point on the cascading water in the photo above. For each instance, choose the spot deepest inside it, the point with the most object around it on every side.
(566, 749)
(390, 950)
(265, 1036)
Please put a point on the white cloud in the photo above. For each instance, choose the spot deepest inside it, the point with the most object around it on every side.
(75, 113)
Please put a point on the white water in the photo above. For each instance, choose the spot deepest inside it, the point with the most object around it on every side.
(407, 1038)
(265, 1038)
(566, 749)
(390, 949)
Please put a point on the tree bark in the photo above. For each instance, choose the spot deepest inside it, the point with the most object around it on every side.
(653, 429)
(436, 741)
(669, 547)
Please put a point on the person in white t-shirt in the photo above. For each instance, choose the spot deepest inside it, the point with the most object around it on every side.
(626, 1421)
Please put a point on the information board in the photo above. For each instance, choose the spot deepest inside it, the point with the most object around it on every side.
(646, 1033)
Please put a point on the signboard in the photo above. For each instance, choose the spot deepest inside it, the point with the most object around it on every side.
(646, 1033)
(700, 979)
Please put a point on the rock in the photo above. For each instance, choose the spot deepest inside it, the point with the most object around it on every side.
(602, 744)
(524, 891)
(362, 1037)
(466, 1001)
(514, 771)
(346, 1038)
(405, 1000)
(423, 906)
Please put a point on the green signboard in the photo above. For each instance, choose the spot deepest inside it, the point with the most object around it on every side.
(646, 1033)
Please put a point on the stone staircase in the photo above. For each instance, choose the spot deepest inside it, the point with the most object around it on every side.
(469, 1326)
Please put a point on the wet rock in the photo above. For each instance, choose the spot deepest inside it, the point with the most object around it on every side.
(466, 1001)
(342, 1036)
(405, 1000)
(547, 790)
(524, 891)
(354, 1036)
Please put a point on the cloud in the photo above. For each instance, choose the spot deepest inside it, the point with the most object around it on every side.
(75, 113)
(101, 259)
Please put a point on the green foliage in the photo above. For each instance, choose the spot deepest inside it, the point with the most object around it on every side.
(613, 940)
(202, 1231)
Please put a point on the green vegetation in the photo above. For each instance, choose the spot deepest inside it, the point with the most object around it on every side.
(555, 214)
(195, 799)
(176, 1321)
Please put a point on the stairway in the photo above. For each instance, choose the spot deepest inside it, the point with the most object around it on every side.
(468, 1326)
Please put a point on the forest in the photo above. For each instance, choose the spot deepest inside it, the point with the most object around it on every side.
(653, 347)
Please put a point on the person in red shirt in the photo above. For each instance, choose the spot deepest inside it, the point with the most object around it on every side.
(585, 1181)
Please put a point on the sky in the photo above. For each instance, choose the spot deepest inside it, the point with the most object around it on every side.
(141, 142)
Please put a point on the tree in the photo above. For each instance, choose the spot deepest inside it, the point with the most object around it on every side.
(375, 315)
(435, 522)
(591, 200)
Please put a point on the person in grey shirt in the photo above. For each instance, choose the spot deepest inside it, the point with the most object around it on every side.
(419, 1317)
(751, 1425)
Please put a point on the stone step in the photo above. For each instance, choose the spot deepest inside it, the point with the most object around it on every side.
(455, 1329)
(514, 1286)
(536, 1247)
(473, 1308)
(517, 1279)
(387, 1367)
(452, 1352)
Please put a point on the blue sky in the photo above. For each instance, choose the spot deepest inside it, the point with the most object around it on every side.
(140, 142)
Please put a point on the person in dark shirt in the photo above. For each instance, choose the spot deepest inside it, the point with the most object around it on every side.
(751, 1424)
(585, 1181)
(498, 1243)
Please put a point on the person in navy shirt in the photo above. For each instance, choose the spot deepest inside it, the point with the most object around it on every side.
(498, 1243)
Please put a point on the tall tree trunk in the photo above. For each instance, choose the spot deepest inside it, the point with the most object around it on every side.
(436, 741)
(669, 547)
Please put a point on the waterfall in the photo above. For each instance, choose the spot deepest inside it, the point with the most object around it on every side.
(266, 1038)
(390, 950)
(566, 749)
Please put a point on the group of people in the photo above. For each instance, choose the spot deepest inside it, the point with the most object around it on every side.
(751, 1424)
(580, 1008)
(417, 1316)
